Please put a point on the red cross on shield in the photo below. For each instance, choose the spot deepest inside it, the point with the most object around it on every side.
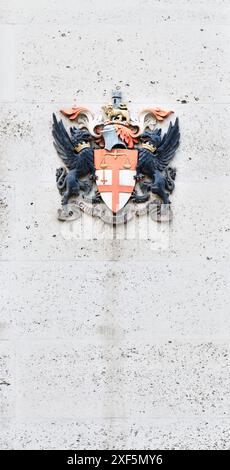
(115, 171)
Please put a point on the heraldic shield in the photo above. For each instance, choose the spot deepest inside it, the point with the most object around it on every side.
(115, 171)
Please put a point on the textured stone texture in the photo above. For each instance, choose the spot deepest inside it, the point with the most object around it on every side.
(114, 343)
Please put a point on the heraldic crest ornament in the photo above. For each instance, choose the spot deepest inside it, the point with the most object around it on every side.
(115, 167)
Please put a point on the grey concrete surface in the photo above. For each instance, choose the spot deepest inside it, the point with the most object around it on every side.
(114, 343)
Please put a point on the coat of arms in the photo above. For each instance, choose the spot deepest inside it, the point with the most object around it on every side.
(114, 166)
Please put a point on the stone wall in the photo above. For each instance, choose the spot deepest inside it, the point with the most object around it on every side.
(114, 343)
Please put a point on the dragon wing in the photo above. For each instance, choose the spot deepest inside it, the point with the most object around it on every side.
(63, 144)
(168, 146)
